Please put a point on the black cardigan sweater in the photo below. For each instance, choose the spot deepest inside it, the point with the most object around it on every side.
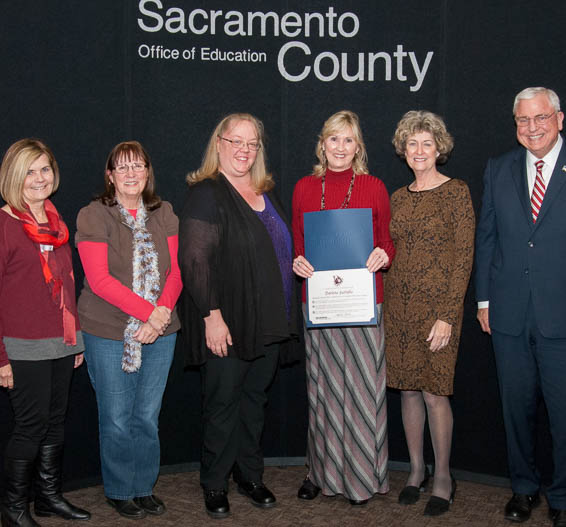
(228, 262)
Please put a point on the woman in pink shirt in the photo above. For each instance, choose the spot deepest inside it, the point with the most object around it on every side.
(127, 241)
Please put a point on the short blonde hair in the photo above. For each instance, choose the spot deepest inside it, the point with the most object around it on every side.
(14, 170)
(335, 124)
(210, 166)
(417, 121)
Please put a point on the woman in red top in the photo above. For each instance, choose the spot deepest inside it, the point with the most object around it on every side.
(127, 240)
(347, 439)
(40, 340)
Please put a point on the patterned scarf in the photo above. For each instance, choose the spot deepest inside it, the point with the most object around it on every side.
(56, 267)
(145, 281)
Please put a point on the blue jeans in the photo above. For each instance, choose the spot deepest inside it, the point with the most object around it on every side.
(128, 413)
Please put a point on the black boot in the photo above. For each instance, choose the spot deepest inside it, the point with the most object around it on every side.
(15, 508)
(48, 498)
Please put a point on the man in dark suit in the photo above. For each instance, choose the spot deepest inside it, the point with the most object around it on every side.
(521, 292)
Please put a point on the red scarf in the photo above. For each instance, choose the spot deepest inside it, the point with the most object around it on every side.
(57, 270)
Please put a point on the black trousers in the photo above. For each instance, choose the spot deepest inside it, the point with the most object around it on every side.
(39, 401)
(234, 400)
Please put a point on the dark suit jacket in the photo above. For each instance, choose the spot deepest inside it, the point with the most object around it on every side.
(516, 259)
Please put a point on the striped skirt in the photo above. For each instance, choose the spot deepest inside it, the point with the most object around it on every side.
(347, 436)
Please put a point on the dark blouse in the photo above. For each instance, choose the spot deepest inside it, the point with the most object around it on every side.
(228, 262)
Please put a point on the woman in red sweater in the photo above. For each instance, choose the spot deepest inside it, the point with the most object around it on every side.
(347, 438)
(40, 340)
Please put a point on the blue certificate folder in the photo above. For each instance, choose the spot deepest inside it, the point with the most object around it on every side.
(338, 239)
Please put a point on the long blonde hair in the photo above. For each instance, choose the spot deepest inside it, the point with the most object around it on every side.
(261, 180)
(334, 124)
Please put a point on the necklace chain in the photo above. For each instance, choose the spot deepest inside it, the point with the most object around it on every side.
(346, 201)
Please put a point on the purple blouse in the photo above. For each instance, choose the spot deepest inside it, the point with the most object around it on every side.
(282, 245)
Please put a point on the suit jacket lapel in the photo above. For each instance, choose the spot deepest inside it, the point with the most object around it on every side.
(519, 171)
(555, 186)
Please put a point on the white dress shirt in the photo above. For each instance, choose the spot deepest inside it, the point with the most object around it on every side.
(548, 167)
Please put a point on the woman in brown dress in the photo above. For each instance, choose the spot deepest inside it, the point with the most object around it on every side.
(432, 226)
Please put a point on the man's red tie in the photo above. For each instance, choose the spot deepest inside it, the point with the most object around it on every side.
(538, 191)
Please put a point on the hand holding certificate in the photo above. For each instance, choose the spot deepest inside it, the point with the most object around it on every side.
(341, 291)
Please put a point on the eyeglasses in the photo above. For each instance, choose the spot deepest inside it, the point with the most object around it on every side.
(136, 167)
(238, 143)
(538, 119)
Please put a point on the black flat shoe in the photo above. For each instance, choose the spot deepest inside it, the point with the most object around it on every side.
(411, 494)
(216, 503)
(437, 505)
(358, 503)
(258, 493)
(518, 508)
(151, 504)
(308, 490)
(127, 508)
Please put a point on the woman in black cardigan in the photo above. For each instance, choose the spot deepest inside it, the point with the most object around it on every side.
(238, 305)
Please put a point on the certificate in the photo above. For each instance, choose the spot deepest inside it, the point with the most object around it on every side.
(341, 297)
(341, 291)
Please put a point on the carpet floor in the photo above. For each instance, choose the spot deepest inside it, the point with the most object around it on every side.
(475, 505)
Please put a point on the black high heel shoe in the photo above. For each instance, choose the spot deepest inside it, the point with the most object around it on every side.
(411, 494)
(308, 490)
(358, 503)
(437, 505)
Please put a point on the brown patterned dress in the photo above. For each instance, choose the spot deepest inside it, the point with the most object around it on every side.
(433, 233)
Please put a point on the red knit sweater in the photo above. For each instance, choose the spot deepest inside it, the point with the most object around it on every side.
(369, 192)
(26, 308)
